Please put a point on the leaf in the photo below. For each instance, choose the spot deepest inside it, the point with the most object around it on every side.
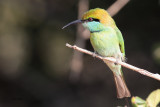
(154, 98)
(138, 102)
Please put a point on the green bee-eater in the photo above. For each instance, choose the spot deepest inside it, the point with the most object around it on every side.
(107, 41)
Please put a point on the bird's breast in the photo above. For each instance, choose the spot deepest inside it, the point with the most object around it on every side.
(105, 43)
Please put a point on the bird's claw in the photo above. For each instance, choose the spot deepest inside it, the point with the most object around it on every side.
(94, 54)
(116, 63)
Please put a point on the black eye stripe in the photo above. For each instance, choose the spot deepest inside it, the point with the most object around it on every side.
(90, 20)
(97, 20)
(93, 19)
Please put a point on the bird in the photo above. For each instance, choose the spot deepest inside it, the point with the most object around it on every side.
(106, 40)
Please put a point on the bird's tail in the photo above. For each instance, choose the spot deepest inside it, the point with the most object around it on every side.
(122, 90)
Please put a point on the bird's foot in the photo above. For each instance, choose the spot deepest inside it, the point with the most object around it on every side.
(118, 58)
(94, 54)
(117, 61)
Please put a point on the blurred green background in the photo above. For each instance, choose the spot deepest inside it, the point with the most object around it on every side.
(35, 63)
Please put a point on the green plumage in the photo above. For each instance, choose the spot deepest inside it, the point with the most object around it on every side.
(107, 41)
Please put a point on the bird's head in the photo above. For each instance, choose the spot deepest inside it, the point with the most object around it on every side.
(95, 20)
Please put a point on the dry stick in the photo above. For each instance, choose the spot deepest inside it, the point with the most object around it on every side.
(111, 59)
(117, 6)
(77, 60)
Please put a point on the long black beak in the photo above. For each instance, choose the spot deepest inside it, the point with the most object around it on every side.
(74, 22)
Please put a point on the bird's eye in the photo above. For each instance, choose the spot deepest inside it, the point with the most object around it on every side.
(90, 19)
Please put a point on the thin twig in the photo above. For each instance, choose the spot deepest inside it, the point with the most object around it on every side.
(111, 59)
(117, 6)
(77, 60)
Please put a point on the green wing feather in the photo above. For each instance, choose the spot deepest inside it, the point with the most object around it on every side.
(121, 42)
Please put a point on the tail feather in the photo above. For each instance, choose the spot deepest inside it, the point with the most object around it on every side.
(122, 90)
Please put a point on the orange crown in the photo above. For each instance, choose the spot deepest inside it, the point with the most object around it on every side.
(101, 15)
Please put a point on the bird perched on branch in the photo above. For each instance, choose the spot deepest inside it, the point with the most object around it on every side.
(107, 41)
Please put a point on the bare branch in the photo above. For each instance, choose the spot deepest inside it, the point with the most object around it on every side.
(81, 36)
(116, 7)
(111, 59)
